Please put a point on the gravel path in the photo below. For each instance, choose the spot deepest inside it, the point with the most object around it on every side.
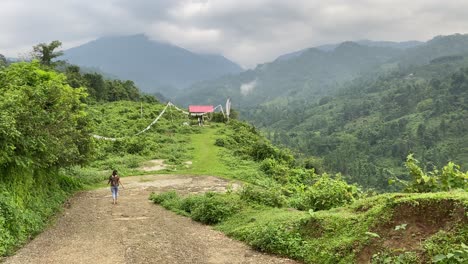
(92, 230)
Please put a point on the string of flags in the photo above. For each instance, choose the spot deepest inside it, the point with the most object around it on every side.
(169, 104)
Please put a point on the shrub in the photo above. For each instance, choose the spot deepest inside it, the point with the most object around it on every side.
(159, 198)
(449, 178)
(327, 193)
(387, 257)
(135, 145)
(278, 239)
(27, 199)
(189, 203)
(274, 169)
(220, 142)
(262, 150)
(268, 197)
(213, 208)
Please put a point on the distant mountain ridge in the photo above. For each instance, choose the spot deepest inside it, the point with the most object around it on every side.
(316, 73)
(151, 65)
(365, 42)
(311, 75)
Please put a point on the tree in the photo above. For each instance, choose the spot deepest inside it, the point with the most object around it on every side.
(96, 85)
(45, 53)
(3, 61)
(43, 123)
(74, 77)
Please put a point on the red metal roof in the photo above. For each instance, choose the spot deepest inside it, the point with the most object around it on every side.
(201, 108)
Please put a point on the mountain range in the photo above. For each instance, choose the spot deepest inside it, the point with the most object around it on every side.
(365, 42)
(153, 66)
(318, 72)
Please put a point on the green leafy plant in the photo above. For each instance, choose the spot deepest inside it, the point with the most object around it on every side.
(400, 227)
(327, 193)
(388, 258)
(449, 178)
(270, 197)
(454, 256)
(213, 208)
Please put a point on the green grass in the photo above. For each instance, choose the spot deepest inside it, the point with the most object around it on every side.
(206, 156)
(209, 159)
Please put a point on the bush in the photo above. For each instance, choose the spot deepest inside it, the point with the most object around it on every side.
(268, 197)
(327, 193)
(278, 239)
(213, 208)
(220, 142)
(135, 145)
(27, 199)
(274, 169)
(159, 198)
(450, 178)
(189, 203)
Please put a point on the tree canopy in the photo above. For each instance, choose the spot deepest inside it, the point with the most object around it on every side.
(45, 53)
(43, 122)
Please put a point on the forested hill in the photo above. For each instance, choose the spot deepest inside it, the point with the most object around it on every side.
(318, 72)
(330, 47)
(368, 129)
(312, 74)
(153, 66)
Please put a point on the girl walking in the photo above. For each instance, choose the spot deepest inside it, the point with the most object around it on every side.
(114, 181)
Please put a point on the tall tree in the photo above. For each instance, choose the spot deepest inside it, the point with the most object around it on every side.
(45, 53)
(3, 61)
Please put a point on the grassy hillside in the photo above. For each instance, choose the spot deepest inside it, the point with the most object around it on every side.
(289, 210)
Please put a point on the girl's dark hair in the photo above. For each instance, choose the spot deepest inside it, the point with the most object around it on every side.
(114, 172)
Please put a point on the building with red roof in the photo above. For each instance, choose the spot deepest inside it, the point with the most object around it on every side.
(197, 110)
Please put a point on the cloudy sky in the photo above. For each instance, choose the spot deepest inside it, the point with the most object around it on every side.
(245, 31)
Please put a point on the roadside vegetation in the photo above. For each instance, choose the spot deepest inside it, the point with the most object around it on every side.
(286, 208)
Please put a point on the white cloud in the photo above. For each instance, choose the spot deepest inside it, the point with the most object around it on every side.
(247, 88)
(246, 31)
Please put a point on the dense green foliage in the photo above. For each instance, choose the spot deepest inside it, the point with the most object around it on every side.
(101, 89)
(167, 139)
(43, 120)
(28, 198)
(260, 213)
(209, 208)
(367, 131)
(43, 127)
(448, 179)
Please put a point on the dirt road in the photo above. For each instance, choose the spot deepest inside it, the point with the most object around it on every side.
(92, 230)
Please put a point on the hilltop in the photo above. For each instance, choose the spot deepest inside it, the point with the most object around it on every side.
(153, 66)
